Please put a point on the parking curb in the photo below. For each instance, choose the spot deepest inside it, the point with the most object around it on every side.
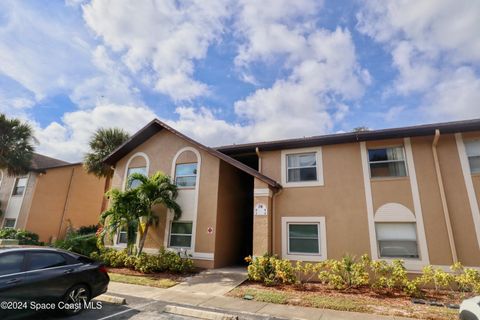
(197, 313)
(111, 299)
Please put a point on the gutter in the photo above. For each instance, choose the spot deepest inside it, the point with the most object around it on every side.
(443, 197)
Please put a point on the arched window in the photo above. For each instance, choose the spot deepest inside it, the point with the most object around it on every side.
(138, 163)
(186, 169)
(396, 230)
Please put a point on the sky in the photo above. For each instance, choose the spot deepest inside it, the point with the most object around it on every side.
(225, 72)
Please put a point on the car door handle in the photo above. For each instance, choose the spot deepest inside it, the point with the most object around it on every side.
(68, 271)
(12, 281)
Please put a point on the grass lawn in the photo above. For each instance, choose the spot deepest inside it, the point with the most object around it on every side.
(152, 280)
(318, 297)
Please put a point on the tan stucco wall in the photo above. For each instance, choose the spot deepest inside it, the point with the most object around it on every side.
(161, 150)
(67, 192)
(341, 201)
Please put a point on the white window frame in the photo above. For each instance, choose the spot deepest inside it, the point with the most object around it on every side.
(468, 156)
(387, 161)
(414, 223)
(194, 175)
(284, 174)
(322, 238)
(5, 221)
(179, 234)
(15, 184)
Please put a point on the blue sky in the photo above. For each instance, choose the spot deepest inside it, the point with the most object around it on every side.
(236, 71)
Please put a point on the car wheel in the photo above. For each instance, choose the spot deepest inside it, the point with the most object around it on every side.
(76, 299)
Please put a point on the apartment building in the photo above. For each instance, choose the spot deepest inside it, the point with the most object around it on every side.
(411, 193)
(53, 195)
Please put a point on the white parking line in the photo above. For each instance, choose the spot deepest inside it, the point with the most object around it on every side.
(128, 310)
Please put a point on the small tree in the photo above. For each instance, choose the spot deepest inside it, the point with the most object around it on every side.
(102, 143)
(156, 190)
(124, 212)
(16, 145)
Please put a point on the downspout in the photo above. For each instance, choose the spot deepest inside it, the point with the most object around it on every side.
(272, 222)
(257, 151)
(66, 203)
(443, 197)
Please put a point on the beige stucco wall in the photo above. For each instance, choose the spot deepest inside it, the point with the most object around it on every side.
(161, 150)
(341, 200)
(62, 196)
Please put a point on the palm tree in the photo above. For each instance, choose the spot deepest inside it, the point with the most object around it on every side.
(102, 143)
(16, 145)
(153, 191)
(124, 212)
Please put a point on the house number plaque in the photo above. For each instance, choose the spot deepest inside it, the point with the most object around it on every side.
(260, 209)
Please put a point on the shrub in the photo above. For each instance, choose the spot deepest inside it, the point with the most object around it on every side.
(165, 260)
(24, 237)
(87, 229)
(270, 270)
(82, 244)
(345, 273)
(467, 279)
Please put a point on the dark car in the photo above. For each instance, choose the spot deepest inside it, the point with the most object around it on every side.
(49, 276)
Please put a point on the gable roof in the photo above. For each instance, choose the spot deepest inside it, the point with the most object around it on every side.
(412, 131)
(156, 125)
(41, 162)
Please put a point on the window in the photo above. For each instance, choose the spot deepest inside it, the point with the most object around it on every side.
(301, 167)
(186, 175)
(11, 263)
(387, 162)
(122, 236)
(9, 223)
(135, 183)
(181, 234)
(303, 238)
(44, 260)
(397, 240)
(473, 153)
(20, 185)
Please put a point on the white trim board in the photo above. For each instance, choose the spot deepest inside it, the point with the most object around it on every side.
(467, 177)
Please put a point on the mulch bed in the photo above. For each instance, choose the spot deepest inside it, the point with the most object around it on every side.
(159, 275)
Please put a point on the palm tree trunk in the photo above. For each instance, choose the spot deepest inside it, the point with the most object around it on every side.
(144, 237)
(108, 181)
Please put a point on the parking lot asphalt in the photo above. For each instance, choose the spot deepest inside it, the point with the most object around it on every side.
(135, 309)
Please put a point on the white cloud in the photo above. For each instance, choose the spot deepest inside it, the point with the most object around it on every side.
(312, 98)
(108, 86)
(68, 139)
(434, 45)
(160, 38)
(45, 53)
(454, 98)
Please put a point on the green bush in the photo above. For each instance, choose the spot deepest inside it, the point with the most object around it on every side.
(24, 237)
(87, 229)
(165, 260)
(350, 272)
(82, 244)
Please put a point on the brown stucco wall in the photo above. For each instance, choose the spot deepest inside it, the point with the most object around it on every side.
(161, 149)
(341, 200)
(66, 192)
(234, 216)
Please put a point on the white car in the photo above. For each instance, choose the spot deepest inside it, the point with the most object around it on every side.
(470, 309)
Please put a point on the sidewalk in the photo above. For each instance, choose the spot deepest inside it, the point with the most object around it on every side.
(229, 304)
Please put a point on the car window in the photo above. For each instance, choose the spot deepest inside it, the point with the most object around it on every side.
(11, 263)
(43, 260)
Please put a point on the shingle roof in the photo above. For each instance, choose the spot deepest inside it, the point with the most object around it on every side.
(41, 162)
(412, 131)
(155, 126)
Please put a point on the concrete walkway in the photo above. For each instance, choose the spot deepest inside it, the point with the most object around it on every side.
(206, 300)
(215, 282)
